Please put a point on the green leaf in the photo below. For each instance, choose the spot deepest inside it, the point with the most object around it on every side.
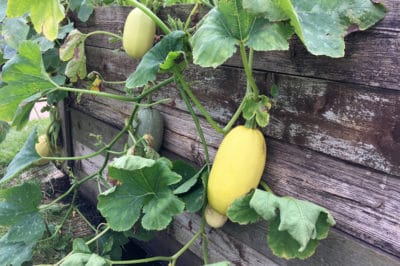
(228, 25)
(24, 158)
(110, 245)
(258, 109)
(150, 64)
(266, 8)
(79, 246)
(303, 221)
(17, 8)
(27, 230)
(285, 246)
(19, 203)
(15, 31)
(158, 212)
(241, 212)
(3, 9)
(85, 10)
(14, 253)
(46, 15)
(189, 176)
(191, 188)
(322, 25)
(213, 43)
(25, 76)
(83, 259)
(23, 112)
(145, 184)
(4, 128)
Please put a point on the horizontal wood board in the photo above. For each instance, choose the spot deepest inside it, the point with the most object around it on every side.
(245, 245)
(334, 136)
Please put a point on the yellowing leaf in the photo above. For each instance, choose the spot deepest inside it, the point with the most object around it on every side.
(46, 15)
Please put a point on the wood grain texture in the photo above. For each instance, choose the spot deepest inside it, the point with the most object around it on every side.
(245, 245)
(352, 122)
(365, 203)
(372, 56)
(334, 136)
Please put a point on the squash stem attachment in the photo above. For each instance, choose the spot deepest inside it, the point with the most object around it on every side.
(266, 187)
(150, 13)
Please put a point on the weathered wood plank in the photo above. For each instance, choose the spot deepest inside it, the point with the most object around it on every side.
(372, 57)
(338, 249)
(364, 203)
(352, 122)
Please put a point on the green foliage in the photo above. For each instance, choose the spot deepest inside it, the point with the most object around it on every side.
(15, 31)
(45, 14)
(226, 26)
(25, 76)
(83, 8)
(241, 212)
(320, 26)
(149, 66)
(25, 157)
(300, 223)
(19, 211)
(145, 187)
(258, 109)
(4, 128)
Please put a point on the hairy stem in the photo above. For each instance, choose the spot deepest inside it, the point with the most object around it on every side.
(181, 86)
(248, 69)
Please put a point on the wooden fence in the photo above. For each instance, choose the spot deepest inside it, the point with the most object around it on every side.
(334, 137)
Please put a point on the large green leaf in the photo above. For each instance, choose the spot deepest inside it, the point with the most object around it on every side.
(45, 14)
(226, 26)
(19, 211)
(25, 76)
(150, 65)
(14, 253)
(303, 221)
(15, 30)
(322, 25)
(24, 158)
(19, 203)
(145, 185)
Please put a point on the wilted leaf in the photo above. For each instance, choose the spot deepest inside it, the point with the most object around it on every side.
(303, 221)
(258, 109)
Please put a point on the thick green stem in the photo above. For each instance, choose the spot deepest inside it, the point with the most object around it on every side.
(103, 33)
(181, 83)
(147, 260)
(150, 13)
(199, 106)
(248, 70)
(234, 118)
